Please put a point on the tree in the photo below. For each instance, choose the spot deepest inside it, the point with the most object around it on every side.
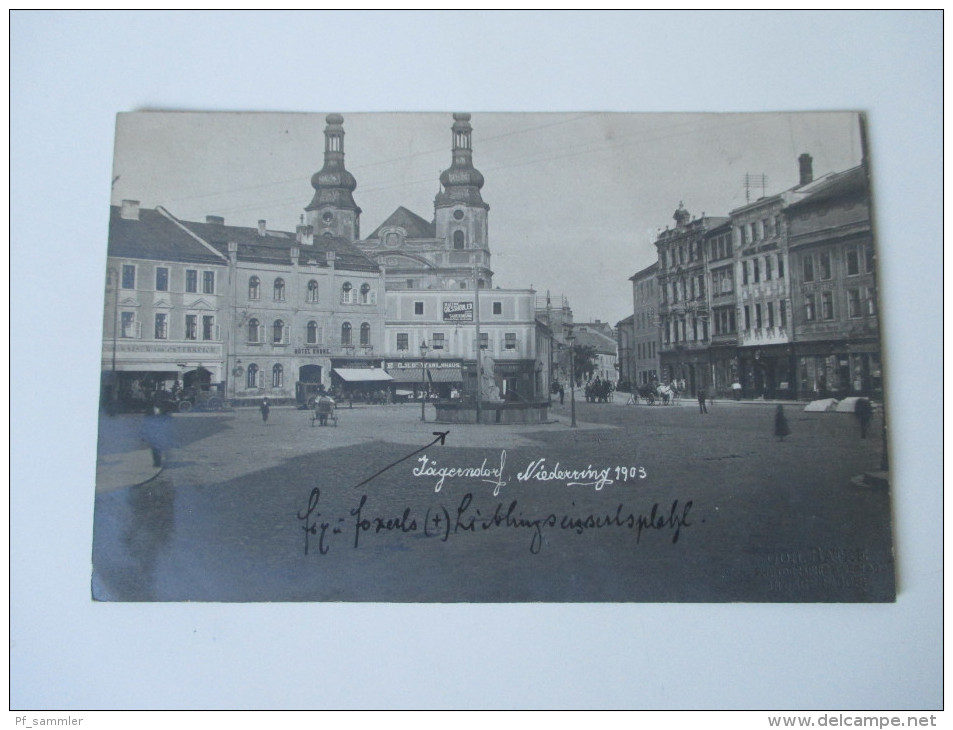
(584, 361)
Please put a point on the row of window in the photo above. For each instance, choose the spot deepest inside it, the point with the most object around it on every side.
(761, 315)
(128, 280)
(438, 341)
(758, 230)
(768, 266)
(314, 333)
(860, 303)
(821, 265)
(645, 350)
(419, 308)
(683, 289)
(130, 327)
(349, 295)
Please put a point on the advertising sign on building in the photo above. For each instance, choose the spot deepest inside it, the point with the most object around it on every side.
(458, 311)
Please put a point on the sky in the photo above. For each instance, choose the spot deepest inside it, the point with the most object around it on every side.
(576, 199)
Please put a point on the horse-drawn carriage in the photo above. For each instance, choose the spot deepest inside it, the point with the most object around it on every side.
(656, 393)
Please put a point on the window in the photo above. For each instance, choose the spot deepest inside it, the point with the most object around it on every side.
(744, 272)
(191, 326)
(346, 333)
(437, 341)
(128, 324)
(208, 327)
(724, 320)
(252, 376)
(853, 261)
(278, 332)
(365, 293)
(311, 333)
(254, 331)
(162, 278)
(312, 291)
(827, 305)
(757, 316)
(807, 264)
(403, 342)
(418, 308)
(743, 234)
(458, 240)
(869, 259)
(497, 307)
(767, 268)
(254, 288)
(365, 333)
(871, 301)
(277, 376)
(747, 317)
(756, 266)
(770, 314)
(279, 289)
(722, 281)
(780, 267)
(809, 308)
(191, 281)
(701, 286)
(347, 293)
(162, 327)
(410, 283)
(484, 340)
(783, 313)
(509, 341)
(825, 259)
(481, 284)
(208, 282)
(463, 285)
(128, 276)
(853, 303)
(766, 227)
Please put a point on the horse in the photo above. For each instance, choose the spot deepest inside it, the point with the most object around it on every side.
(647, 393)
(668, 394)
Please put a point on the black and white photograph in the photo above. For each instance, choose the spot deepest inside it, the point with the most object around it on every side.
(492, 358)
(476, 360)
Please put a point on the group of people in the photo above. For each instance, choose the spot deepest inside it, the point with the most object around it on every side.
(599, 390)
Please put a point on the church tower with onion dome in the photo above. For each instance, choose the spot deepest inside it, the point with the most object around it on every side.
(333, 210)
(460, 215)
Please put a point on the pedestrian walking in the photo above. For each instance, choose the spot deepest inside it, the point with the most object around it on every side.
(736, 389)
(157, 432)
(863, 413)
(781, 428)
(702, 397)
(264, 408)
(562, 394)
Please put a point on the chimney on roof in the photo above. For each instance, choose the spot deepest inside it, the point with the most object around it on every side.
(129, 210)
(305, 235)
(215, 220)
(261, 227)
(806, 168)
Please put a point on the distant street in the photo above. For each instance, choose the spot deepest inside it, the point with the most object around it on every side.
(640, 503)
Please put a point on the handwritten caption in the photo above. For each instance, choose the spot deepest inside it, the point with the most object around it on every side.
(538, 470)
(465, 517)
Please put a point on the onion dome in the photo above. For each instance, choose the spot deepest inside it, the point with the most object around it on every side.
(461, 181)
(333, 184)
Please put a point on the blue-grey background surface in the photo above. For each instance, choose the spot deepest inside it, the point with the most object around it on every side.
(71, 72)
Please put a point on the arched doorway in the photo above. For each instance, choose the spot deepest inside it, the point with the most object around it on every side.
(200, 378)
(309, 374)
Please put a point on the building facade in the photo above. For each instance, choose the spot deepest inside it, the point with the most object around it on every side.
(644, 367)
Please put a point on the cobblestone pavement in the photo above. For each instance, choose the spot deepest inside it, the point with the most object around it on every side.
(720, 509)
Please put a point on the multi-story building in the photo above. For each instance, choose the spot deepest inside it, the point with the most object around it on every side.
(164, 297)
(684, 306)
(625, 339)
(833, 282)
(723, 296)
(604, 350)
(645, 367)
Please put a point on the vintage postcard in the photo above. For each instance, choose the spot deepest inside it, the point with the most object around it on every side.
(468, 357)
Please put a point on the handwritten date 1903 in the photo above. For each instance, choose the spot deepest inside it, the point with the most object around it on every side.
(465, 518)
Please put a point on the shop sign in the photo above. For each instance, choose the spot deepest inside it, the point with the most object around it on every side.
(458, 311)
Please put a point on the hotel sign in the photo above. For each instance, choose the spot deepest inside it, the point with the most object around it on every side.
(458, 311)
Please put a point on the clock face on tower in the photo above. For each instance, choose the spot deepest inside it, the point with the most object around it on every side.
(458, 214)
(327, 217)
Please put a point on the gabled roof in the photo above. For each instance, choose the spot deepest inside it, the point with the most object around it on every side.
(603, 344)
(275, 246)
(415, 226)
(156, 237)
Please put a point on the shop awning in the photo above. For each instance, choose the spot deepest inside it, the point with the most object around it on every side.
(437, 375)
(362, 375)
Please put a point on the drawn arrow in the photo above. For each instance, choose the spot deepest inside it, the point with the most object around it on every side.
(441, 437)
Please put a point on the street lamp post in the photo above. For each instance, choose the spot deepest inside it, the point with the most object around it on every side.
(423, 395)
(572, 378)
